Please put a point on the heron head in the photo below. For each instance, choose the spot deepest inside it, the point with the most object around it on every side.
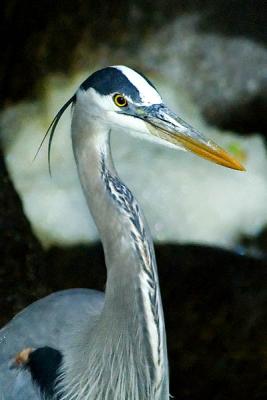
(123, 98)
(119, 97)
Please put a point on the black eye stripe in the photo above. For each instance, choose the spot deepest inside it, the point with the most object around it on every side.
(111, 80)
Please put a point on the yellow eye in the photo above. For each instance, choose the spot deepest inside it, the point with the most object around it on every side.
(120, 100)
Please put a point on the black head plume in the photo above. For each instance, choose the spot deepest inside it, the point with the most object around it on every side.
(51, 130)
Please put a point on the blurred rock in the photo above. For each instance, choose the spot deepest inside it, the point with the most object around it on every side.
(39, 32)
(216, 321)
(197, 202)
(22, 258)
(226, 75)
(237, 19)
(256, 245)
(188, 61)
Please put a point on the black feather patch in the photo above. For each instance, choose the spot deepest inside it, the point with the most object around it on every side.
(111, 80)
(44, 364)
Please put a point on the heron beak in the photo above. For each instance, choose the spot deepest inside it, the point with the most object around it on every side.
(166, 125)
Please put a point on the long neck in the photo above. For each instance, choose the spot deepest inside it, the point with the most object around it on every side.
(132, 317)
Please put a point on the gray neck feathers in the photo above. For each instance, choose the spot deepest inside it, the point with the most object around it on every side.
(124, 355)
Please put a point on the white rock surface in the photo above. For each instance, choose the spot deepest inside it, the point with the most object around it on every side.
(184, 198)
(219, 72)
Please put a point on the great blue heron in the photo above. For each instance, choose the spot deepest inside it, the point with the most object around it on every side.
(117, 350)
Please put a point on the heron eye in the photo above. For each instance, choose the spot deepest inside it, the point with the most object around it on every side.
(120, 100)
